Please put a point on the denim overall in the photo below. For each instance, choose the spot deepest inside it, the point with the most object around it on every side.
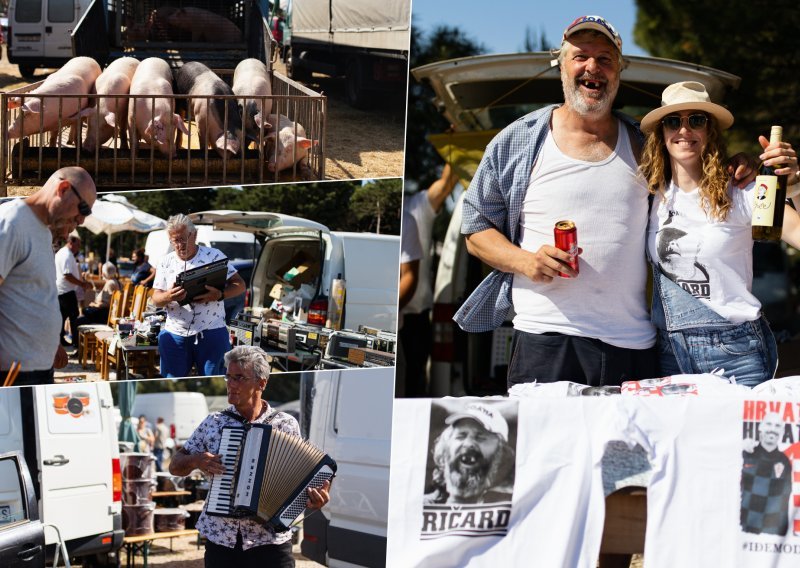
(693, 338)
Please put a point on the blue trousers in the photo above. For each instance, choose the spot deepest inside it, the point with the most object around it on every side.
(206, 349)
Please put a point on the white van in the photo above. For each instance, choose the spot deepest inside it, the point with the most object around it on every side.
(182, 411)
(39, 33)
(348, 414)
(66, 433)
(369, 264)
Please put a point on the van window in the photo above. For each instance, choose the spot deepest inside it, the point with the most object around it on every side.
(28, 11)
(242, 251)
(12, 503)
(61, 11)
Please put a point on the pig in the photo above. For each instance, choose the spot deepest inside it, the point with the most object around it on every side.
(198, 81)
(153, 122)
(251, 77)
(204, 25)
(110, 111)
(292, 146)
(76, 77)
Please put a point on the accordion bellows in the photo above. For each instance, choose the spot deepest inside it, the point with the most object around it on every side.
(267, 474)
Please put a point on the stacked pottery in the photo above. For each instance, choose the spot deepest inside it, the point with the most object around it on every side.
(138, 482)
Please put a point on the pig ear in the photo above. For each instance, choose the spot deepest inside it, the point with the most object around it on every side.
(305, 143)
(150, 127)
(33, 106)
(181, 124)
(14, 102)
(257, 119)
(111, 119)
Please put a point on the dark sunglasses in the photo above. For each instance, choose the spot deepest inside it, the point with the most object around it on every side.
(83, 207)
(694, 121)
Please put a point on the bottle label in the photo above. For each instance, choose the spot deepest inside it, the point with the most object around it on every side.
(764, 200)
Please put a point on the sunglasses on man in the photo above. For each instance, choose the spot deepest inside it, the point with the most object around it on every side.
(674, 122)
(83, 208)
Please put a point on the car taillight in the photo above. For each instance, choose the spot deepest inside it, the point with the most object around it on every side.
(443, 348)
(247, 298)
(172, 430)
(318, 312)
(116, 480)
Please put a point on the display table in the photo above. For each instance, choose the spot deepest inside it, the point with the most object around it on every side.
(129, 350)
(141, 544)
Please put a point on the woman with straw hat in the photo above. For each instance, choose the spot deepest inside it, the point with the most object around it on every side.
(700, 242)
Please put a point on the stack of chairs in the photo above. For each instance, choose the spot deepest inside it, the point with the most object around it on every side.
(87, 340)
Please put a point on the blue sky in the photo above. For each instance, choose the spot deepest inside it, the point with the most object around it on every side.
(500, 24)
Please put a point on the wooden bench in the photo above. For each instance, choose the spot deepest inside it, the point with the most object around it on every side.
(141, 544)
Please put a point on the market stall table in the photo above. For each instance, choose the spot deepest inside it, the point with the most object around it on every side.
(141, 544)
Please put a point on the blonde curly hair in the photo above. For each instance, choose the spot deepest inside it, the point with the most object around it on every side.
(714, 183)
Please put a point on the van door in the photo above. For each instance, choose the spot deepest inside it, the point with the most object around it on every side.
(61, 17)
(75, 431)
(27, 28)
(21, 532)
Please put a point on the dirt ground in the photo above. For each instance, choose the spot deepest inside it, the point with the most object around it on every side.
(359, 144)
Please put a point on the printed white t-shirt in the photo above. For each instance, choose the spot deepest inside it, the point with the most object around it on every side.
(193, 317)
(712, 260)
(66, 264)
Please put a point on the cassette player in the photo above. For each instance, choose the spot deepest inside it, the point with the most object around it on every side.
(246, 329)
(309, 337)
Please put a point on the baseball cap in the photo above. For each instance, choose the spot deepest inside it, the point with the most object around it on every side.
(484, 415)
(597, 23)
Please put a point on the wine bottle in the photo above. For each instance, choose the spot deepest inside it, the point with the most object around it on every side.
(770, 198)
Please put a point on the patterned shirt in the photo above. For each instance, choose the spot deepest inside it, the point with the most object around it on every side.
(223, 530)
(494, 201)
(196, 316)
(766, 485)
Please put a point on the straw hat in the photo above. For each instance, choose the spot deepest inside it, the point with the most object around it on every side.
(687, 95)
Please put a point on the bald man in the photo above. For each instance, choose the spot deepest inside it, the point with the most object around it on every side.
(30, 319)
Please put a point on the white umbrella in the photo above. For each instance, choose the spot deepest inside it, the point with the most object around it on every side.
(114, 213)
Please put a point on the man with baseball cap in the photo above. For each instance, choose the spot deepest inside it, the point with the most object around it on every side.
(576, 161)
(473, 458)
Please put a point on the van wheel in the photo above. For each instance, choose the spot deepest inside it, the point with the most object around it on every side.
(27, 71)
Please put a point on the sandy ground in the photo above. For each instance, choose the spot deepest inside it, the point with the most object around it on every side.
(359, 144)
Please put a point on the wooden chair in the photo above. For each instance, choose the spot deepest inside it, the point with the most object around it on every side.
(127, 298)
(86, 333)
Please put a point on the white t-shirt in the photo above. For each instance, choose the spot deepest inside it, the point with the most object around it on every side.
(29, 316)
(557, 509)
(66, 264)
(607, 200)
(419, 207)
(193, 317)
(410, 247)
(711, 260)
(696, 499)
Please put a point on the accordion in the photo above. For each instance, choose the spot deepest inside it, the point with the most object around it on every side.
(195, 280)
(266, 475)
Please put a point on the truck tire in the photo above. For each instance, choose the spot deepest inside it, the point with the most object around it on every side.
(357, 96)
(107, 560)
(27, 71)
(294, 71)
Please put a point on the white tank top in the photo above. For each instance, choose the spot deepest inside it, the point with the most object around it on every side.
(607, 200)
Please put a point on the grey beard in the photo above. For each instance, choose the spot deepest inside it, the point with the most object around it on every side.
(574, 99)
(469, 485)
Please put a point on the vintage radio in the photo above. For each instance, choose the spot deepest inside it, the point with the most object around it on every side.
(379, 339)
(267, 473)
(370, 357)
(279, 335)
(309, 337)
(195, 280)
(246, 329)
(340, 343)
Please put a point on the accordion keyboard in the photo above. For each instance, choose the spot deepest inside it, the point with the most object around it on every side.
(220, 494)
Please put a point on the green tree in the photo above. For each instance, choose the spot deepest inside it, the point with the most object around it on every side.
(423, 118)
(756, 40)
(375, 207)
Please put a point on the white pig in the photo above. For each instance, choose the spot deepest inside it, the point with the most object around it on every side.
(252, 78)
(292, 145)
(76, 77)
(150, 118)
(200, 82)
(110, 111)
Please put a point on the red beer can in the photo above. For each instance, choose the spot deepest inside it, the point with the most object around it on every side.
(566, 237)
